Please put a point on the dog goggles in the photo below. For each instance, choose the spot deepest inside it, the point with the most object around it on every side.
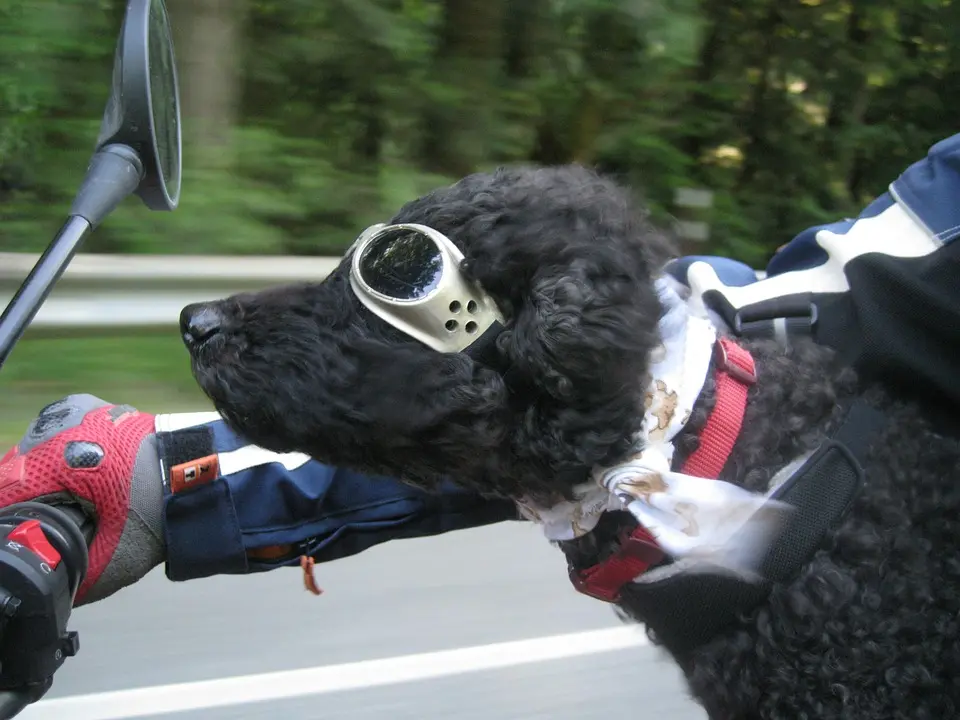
(409, 276)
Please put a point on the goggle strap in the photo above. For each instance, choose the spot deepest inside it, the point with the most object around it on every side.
(484, 349)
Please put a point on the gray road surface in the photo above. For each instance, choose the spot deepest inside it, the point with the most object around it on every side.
(490, 585)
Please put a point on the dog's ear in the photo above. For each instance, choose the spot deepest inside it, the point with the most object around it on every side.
(582, 338)
(575, 274)
(570, 260)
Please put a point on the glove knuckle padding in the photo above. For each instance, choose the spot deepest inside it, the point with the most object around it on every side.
(58, 416)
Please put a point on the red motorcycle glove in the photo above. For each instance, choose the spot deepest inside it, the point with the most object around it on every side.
(102, 457)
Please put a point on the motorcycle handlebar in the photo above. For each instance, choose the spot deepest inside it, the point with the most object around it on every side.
(43, 560)
(12, 703)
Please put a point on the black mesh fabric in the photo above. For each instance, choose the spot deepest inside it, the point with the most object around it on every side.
(688, 610)
(819, 499)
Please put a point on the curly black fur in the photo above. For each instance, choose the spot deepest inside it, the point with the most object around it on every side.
(869, 629)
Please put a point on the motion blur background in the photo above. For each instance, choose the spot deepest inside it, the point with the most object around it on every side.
(306, 121)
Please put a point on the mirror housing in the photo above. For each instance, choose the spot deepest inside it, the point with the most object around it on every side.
(141, 122)
(138, 151)
(143, 111)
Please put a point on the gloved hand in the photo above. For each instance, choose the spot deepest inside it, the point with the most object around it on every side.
(102, 457)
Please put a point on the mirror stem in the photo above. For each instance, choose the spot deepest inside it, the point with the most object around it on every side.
(39, 282)
(114, 174)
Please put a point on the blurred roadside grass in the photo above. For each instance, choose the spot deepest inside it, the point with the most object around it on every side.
(149, 371)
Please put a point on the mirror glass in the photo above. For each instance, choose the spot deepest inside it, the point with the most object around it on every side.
(164, 98)
(113, 114)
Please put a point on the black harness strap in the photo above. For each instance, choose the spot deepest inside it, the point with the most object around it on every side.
(686, 610)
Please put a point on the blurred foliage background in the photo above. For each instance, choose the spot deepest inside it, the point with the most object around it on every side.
(306, 121)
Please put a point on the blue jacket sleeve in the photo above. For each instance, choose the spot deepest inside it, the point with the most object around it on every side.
(926, 191)
(880, 288)
(233, 508)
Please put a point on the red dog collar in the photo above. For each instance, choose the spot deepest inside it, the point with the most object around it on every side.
(735, 373)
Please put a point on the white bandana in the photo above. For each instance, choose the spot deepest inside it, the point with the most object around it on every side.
(688, 516)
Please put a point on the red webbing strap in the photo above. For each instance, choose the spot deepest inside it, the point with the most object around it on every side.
(735, 373)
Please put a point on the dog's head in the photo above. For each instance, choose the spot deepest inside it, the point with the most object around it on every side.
(569, 262)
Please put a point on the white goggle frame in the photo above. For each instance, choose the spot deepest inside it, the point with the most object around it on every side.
(449, 318)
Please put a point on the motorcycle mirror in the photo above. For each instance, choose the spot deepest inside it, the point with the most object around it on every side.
(138, 151)
(142, 113)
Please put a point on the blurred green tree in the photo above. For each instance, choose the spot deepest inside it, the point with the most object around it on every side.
(306, 121)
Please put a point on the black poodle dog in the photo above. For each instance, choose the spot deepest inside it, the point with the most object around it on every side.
(868, 628)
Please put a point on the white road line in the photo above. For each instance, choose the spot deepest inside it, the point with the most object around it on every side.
(224, 692)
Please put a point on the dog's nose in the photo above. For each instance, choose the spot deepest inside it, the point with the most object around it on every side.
(199, 322)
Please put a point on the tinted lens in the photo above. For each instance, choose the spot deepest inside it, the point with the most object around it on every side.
(402, 264)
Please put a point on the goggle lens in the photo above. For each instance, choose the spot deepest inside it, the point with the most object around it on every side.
(401, 263)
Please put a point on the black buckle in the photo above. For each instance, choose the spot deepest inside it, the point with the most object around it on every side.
(758, 320)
